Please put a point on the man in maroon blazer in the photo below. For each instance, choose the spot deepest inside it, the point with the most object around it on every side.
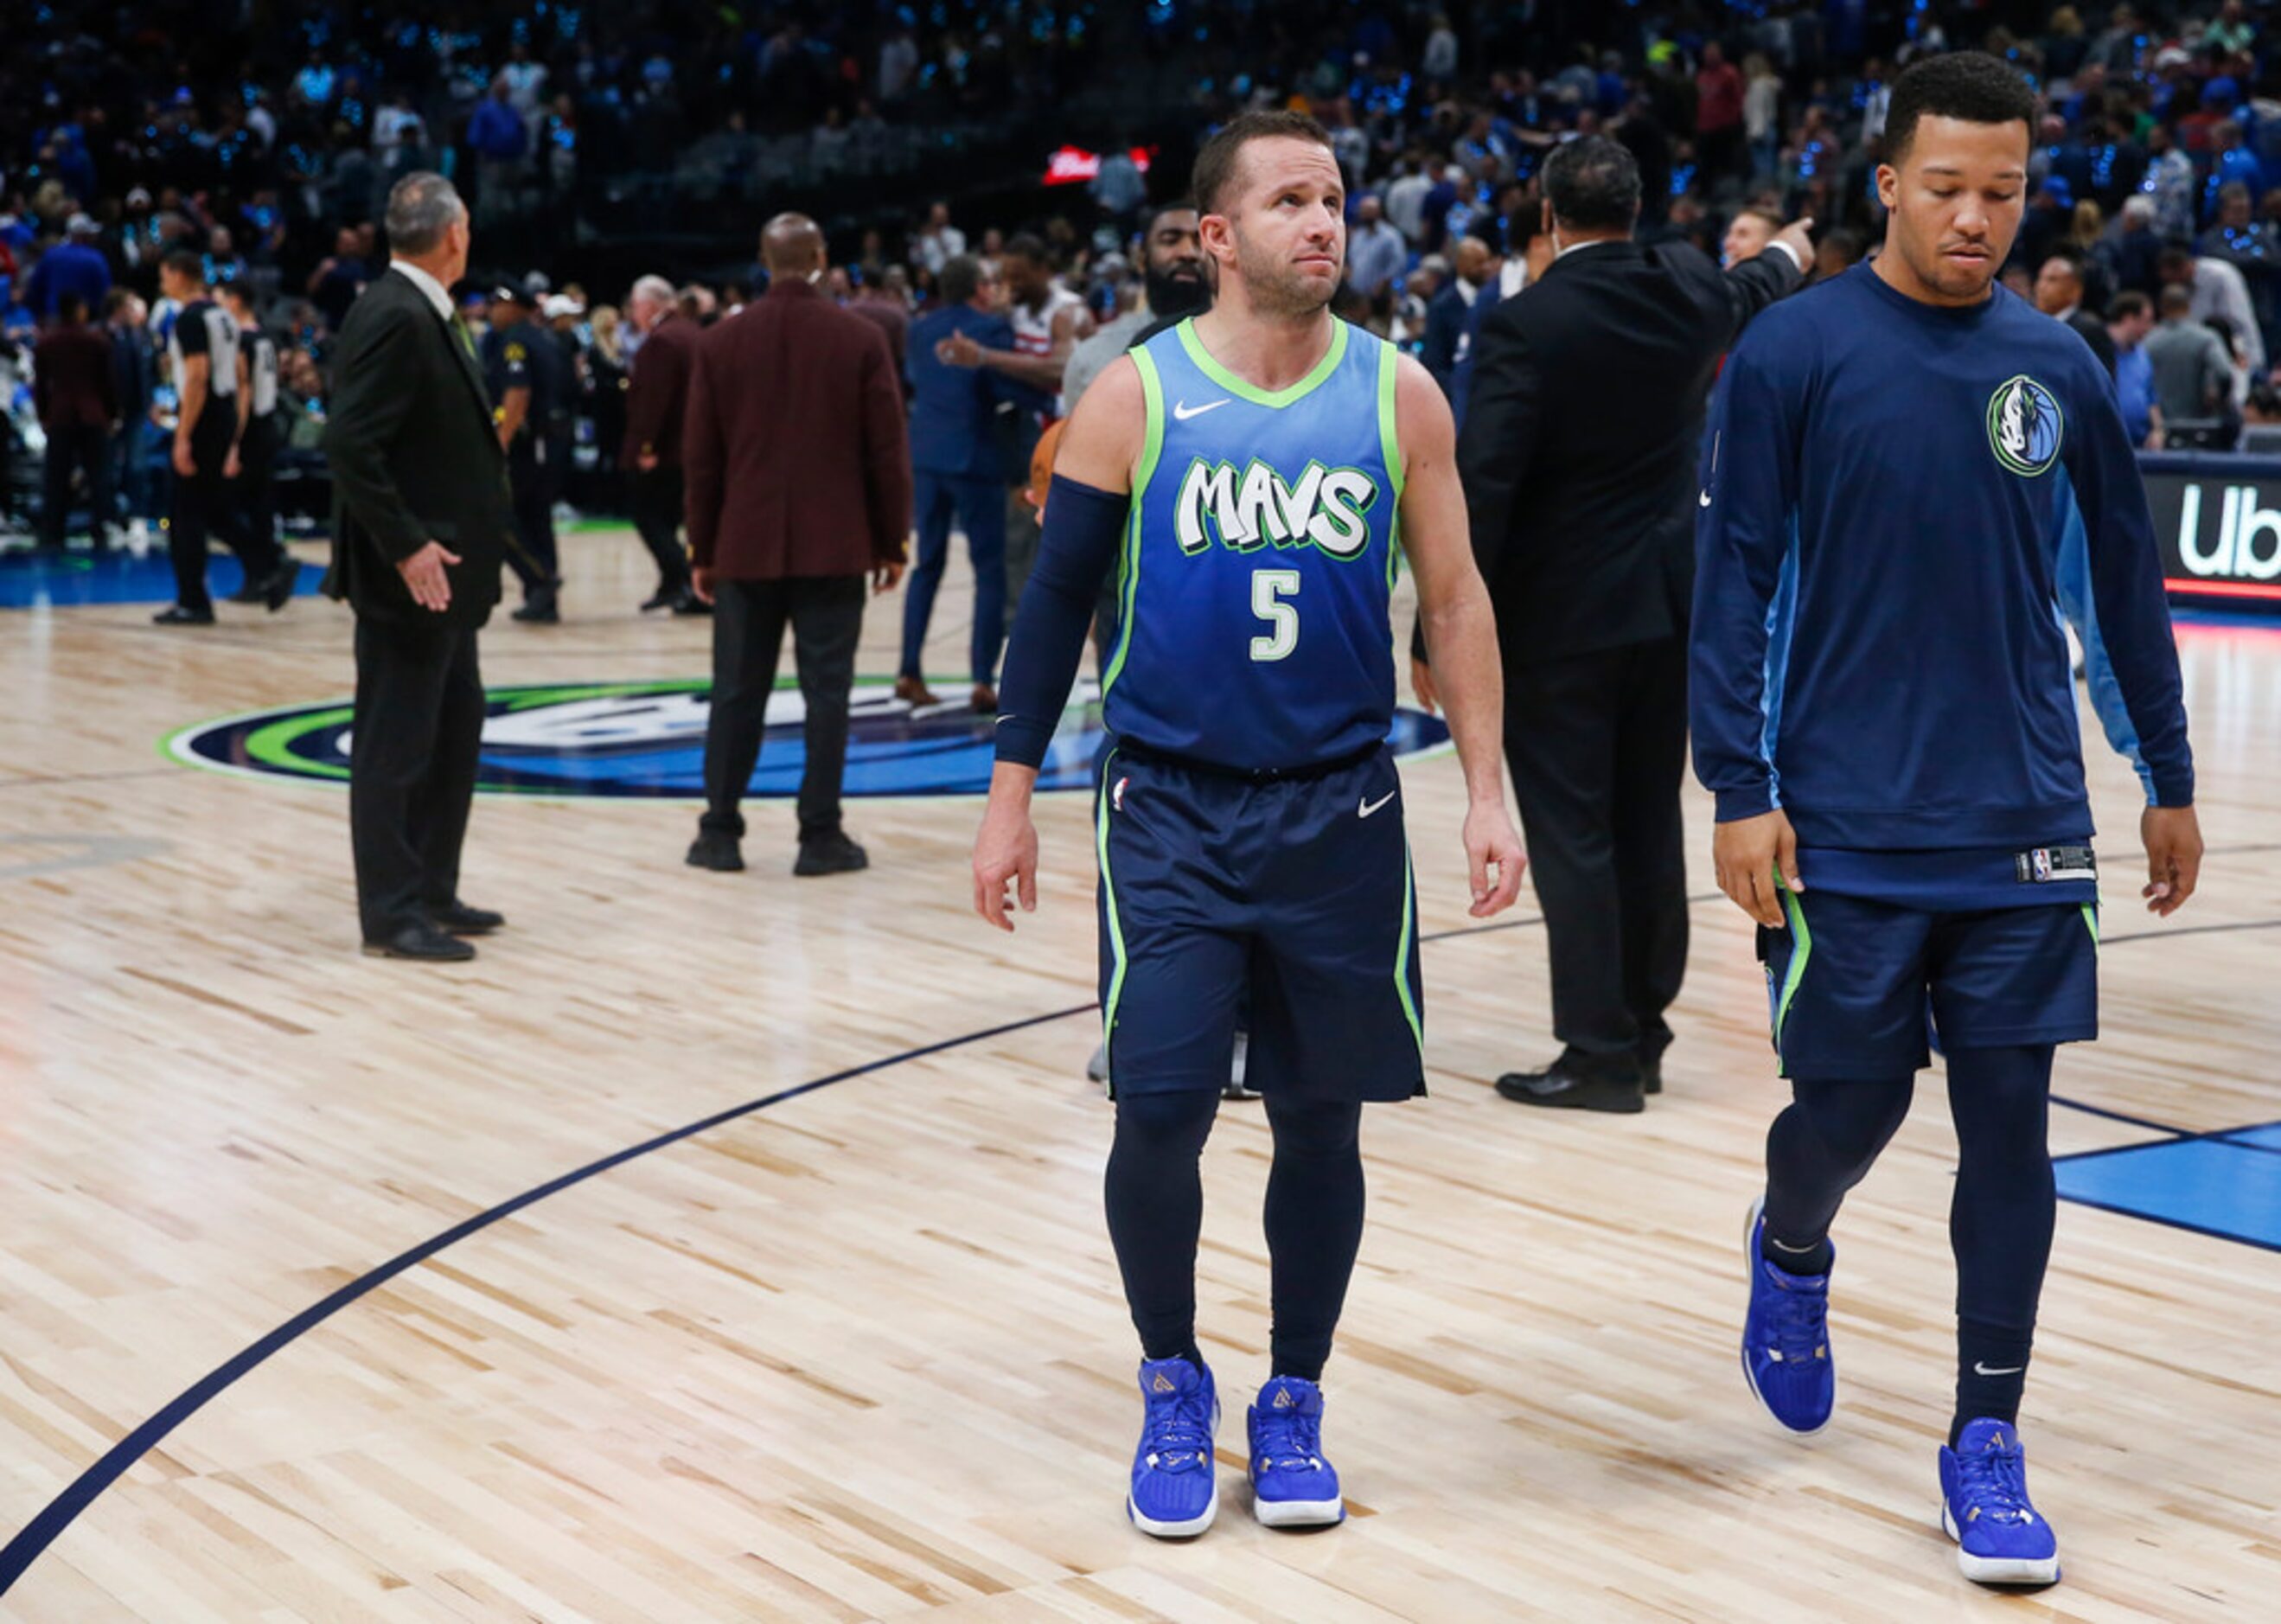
(798, 484)
(657, 389)
(78, 402)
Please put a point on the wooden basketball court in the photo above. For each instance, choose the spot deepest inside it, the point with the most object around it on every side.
(860, 1352)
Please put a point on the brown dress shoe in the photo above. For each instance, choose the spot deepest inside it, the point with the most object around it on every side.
(986, 699)
(914, 690)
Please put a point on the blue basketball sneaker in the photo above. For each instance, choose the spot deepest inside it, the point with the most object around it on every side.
(1786, 1337)
(1292, 1485)
(1984, 1508)
(1175, 1490)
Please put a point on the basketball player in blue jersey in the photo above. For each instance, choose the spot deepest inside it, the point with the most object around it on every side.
(1248, 473)
(1909, 473)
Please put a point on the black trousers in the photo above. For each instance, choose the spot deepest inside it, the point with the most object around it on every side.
(826, 617)
(87, 448)
(1598, 743)
(532, 483)
(412, 767)
(257, 488)
(204, 503)
(657, 519)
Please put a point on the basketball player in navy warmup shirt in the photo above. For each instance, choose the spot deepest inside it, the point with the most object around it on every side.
(1909, 474)
(1247, 473)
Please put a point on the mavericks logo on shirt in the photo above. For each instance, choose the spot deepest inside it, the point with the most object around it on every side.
(1253, 507)
(2024, 425)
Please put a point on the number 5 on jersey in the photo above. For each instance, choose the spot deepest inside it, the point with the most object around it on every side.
(1269, 588)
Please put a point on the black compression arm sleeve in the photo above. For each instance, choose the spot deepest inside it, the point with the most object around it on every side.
(1084, 528)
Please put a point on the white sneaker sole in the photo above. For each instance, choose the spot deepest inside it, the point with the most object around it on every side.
(1298, 1513)
(1999, 1570)
(1189, 1529)
(1750, 1275)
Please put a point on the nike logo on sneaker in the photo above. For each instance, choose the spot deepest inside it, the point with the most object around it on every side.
(1369, 807)
(1979, 1369)
(1182, 411)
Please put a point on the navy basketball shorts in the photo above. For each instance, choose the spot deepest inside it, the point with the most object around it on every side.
(1851, 981)
(1297, 889)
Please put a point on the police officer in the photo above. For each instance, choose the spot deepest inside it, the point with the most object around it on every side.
(523, 367)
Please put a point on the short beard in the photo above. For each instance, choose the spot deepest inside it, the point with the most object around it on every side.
(1177, 295)
(1278, 292)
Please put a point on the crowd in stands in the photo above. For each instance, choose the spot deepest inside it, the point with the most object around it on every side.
(128, 133)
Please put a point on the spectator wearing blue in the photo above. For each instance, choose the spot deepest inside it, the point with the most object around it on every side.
(2231, 162)
(498, 137)
(1449, 316)
(2129, 319)
(1376, 252)
(959, 474)
(134, 379)
(73, 266)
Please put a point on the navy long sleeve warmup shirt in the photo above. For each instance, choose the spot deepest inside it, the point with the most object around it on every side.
(1899, 503)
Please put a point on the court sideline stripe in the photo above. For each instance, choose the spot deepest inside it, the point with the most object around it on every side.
(34, 1539)
(43, 1531)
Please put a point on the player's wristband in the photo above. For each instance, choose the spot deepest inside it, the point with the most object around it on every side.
(1083, 529)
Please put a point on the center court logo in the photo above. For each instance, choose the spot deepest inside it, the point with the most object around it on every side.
(646, 740)
(2024, 425)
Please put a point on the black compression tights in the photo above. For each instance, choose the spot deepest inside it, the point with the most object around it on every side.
(1154, 1198)
(2000, 1213)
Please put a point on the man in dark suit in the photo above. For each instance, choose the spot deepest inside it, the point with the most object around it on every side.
(421, 522)
(958, 468)
(1578, 454)
(78, 402)
(657, 390)
(799, 474)
(2060, 295)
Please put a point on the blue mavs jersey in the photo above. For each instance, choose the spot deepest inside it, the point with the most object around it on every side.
(1258, 560)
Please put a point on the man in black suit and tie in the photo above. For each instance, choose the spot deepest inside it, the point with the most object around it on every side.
(1579, 461)
(421, 520)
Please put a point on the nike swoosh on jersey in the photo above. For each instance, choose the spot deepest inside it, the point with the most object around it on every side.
(1369, 807)
(1183, 411)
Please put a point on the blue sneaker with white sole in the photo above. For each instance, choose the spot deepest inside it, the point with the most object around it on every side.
(1984, 1508)
(1786, 1337)
(1292, 1485)
(1175, 1489)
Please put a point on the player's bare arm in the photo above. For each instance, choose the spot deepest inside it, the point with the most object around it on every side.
(1099, 448)
(1460, 627)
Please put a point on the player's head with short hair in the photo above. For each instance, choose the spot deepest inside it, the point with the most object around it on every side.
(182, 275)
(1955, 176)
(1592, 186)
(1173, 264)
(1273, 206)
(1027, 266)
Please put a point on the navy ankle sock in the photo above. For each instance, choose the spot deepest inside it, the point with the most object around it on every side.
(1815, 1259)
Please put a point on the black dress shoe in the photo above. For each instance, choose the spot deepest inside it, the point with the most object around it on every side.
(175, 615)
(458, 919)
(1576, 1082)
(419, 941)
(277, 592)
(248, 594)
(1651, 1074)
(690, 603)
(664, 598)
(830, 853)
(716, 851)
(539, 610)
